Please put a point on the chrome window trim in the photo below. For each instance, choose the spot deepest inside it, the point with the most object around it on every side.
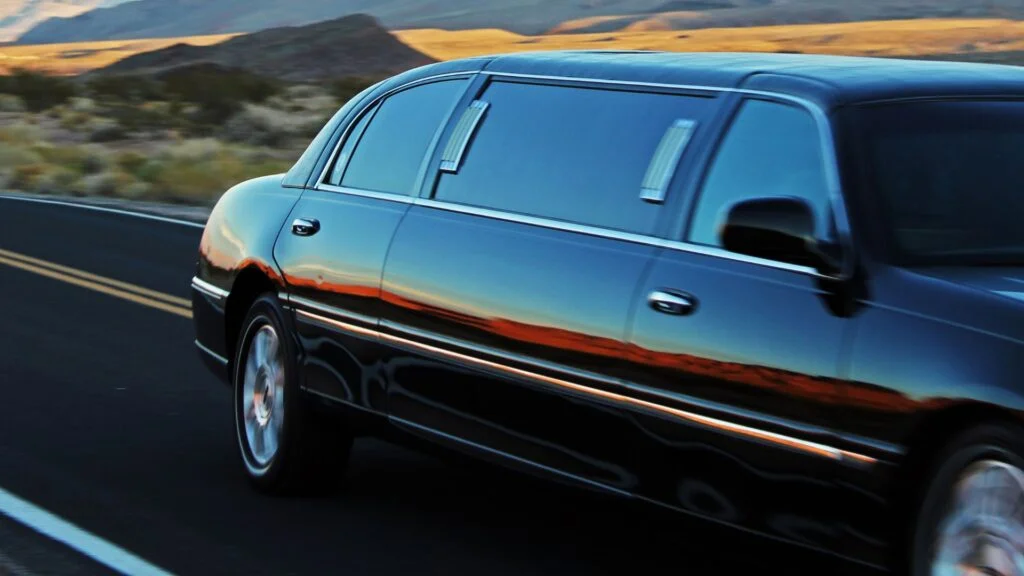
(209, 289)
(325, 172)
(827, 144)
(399, 198)
(614, 235)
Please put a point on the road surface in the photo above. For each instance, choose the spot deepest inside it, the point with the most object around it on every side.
(111, 423)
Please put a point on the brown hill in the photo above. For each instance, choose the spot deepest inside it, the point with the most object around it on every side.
(355, 45)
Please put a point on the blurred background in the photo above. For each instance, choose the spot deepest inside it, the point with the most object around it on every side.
(176, 100)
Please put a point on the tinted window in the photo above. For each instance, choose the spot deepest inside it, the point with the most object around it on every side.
(572, 154)
(770, 150)
(389, 155)
(346, 149)
(950, 178)
(300, 172)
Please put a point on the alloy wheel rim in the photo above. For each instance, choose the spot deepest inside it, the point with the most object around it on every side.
(983, 530)
(263, 396)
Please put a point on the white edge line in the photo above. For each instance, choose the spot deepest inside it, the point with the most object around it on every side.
(105, 209)
(62, 531)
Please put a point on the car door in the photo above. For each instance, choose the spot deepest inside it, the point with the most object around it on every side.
(742, 354)
(332, 253)
(507, 292)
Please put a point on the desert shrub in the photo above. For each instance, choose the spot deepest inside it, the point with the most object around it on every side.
(14, 155)
(302, 91)
(263, 126)
(124, 87)
(218, 92)
(25, 176)
(178, 175)
(95, 159)
(38, 91)
(106, 130)
(131, 162)
(107, 183)
(81, 104)
(137, 190)
(11, 103)
(56, 180)
(22, 132)
(72, 120)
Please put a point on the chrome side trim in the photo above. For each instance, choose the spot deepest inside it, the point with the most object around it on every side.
(613, 235)
(211, 353)
(345, 326)
(489, 450)
(705, 421)
(322, 179)
(405, 333)
(718, 424)
(209, 289)
(342, 314)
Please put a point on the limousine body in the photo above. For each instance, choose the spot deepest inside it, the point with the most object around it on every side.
(780, 292)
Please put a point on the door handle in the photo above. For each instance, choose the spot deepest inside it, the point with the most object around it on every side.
(305, 226)
(671, 303)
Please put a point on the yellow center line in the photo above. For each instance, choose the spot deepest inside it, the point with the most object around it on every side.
(97, 278)
(108, 286)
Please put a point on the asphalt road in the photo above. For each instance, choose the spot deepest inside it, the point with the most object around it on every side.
(110, 421)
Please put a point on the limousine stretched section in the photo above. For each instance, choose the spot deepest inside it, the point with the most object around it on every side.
(779, 292)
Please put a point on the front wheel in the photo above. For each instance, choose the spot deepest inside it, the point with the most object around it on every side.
(286, 447)
(971, 521)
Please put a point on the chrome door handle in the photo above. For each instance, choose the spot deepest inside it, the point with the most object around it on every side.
(671, 303)
(305, 226)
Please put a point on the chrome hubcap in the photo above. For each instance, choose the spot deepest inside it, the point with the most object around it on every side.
(983, 532)
(263, 395)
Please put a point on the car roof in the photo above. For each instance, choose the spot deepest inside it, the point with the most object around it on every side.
(828, 80)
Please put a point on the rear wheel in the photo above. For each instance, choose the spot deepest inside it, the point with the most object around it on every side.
(971, 520)
(286, 447)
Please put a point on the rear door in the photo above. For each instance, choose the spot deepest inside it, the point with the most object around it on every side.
(332, 253)
(748, 367)
(506, 293)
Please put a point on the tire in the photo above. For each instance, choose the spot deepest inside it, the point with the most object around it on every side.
(993, 453)
(286, 447)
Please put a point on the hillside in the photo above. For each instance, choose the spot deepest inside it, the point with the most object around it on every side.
(19, 16)
(348, 46)
(173, 18)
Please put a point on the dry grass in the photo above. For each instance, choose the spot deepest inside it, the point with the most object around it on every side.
(890, 38)
(77, 57)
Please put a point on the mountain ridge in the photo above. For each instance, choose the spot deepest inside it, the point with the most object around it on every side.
(354, 45)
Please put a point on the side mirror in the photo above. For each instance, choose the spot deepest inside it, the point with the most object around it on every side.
(780, 229)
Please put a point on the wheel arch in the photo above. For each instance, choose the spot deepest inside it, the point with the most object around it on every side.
(251, 283)
(924, 444)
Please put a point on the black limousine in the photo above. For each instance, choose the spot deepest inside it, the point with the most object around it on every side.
(780, 292)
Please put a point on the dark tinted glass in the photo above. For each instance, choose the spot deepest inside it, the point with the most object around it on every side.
(389, 155)
(346, 149)
(572, 154)
(950, 178)
(770, 150)
(303, 167)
